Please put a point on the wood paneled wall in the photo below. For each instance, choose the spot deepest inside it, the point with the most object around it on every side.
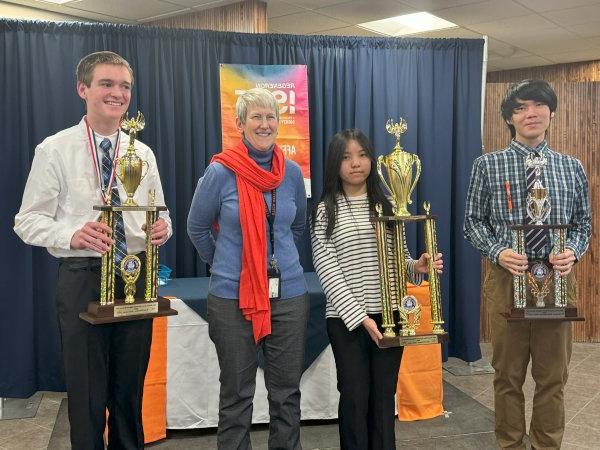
(574, 131)
(558, 73)
(249, 16)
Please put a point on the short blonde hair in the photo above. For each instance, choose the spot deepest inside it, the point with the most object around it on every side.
(85, 68)
(255, 97)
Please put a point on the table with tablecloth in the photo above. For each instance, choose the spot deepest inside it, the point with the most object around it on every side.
(192, 369)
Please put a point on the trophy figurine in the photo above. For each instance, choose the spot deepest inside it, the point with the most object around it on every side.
(403, 170)
(402, 178)
(130, 167)
(130, 171)
(536, 282)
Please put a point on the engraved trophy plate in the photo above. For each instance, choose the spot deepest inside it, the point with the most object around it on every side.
(130, 171)
(402, 171)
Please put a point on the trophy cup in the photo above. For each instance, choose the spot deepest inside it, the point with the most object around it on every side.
(403, 170)
(539, 278)
(130, 170)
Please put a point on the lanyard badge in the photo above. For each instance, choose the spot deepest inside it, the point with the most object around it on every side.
(273, 272)
(274, 279)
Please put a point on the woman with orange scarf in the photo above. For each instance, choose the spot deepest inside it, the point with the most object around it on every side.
(257, 294)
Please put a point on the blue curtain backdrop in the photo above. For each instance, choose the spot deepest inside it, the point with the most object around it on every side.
(435, 84)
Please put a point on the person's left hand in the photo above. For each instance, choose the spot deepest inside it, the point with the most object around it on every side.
(563, 262)
(159, 232)
(421, 264)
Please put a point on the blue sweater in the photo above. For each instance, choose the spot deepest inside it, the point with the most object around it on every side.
(216, 199)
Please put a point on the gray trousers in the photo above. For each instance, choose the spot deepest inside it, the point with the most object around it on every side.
(238, 360)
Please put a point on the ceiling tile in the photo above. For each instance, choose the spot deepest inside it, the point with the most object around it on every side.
(450, 33)
(349, 31)
(278, 8)
(551, 45)
(214, 4)
(305, 23)
(535, 41)
(314, 4)
(575, 56)
(553, 5)
(196, 3)
(97, 16)
(524, 25)
(29, 10)
(575, 16)
(363, 11)
(591, 29)
(432, 5)
(482, 12)
(517, 63)
(499, 50)
(131, 10)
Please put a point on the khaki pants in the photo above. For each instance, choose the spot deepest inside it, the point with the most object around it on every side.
(548, 343)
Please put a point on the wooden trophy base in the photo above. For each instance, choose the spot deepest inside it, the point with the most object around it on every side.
(533, 314)
(417, 339)
(120, 311)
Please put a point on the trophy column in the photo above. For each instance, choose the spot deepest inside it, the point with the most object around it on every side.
(434, 279)
(107, 277)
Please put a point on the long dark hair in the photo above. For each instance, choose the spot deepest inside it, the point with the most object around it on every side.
(332, 185)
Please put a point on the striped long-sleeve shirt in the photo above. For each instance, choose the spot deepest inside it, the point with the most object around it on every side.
(488, 216)
(346, 263)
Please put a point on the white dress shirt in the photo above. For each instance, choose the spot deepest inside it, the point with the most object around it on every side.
(63, 187)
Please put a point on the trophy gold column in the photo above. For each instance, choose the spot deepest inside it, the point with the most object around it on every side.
(130, 169)
(402, 172)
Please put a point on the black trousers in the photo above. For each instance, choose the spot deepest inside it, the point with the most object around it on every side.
(367, 378)
(104, 365)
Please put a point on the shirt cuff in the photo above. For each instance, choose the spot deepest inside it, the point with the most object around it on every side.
(354, 322)
(495, 252)
(577, 254)
(63, 238)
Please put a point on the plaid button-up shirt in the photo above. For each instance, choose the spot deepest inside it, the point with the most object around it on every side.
(488, 216)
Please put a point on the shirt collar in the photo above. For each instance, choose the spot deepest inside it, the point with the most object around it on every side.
(525, 150)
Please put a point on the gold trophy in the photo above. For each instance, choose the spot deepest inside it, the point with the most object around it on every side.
(129, 170)
(400, 173)
(403, 170)
(539, 276)
(130, 167)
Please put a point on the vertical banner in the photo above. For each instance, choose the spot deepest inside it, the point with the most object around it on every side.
(289, 85)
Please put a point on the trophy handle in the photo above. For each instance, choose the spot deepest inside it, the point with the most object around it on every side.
(417, 162)
(379, 162)
(144, 172)
(119, 169)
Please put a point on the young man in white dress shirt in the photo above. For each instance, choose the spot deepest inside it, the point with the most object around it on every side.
(104, 365)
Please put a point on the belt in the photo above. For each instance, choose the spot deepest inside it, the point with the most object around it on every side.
(89, 262)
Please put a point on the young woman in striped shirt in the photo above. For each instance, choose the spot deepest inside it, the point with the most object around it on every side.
(345, 259)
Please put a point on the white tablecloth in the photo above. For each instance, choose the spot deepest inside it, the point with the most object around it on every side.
(193, 378)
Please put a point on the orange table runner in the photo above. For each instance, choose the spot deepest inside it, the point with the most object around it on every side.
(419, 394)
(154, 404)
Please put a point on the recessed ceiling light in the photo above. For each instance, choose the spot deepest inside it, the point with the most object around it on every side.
(56, 2)
(420, 22)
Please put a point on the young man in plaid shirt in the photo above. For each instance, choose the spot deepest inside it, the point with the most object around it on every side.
(497, 199)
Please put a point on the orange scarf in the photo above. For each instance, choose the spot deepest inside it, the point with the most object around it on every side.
(251, 182)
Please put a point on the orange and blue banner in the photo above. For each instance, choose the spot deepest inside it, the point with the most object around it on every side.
(289, 85)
